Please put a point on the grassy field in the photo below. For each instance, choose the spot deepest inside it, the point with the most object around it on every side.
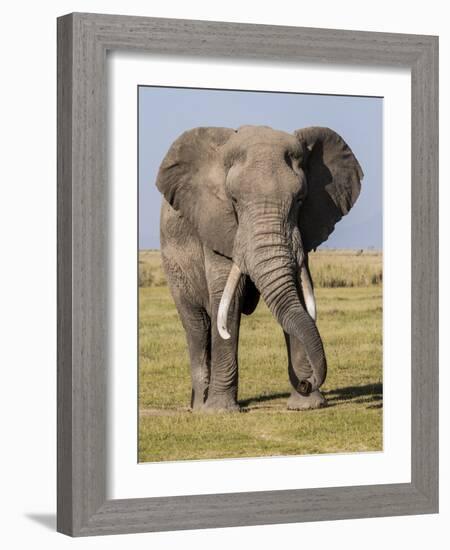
(349, 300)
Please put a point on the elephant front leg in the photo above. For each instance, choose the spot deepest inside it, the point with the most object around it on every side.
(299, 369)
(197, 326)
(223, 384)
(198, 338)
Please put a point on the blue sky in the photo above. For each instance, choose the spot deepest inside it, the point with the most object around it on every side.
(164, 113)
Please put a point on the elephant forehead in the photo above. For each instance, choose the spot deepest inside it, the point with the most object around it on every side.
(263, 135)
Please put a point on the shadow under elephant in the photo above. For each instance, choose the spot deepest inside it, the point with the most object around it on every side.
(370, 394)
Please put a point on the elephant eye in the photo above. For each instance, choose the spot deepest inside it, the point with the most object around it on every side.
(288, 159)
(300, 196)
(293, 161)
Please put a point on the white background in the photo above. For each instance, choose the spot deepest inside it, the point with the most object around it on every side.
(127, 479)
(28, 275)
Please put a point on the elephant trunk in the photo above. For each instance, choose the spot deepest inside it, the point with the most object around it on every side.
(272, 265)
(279, 290)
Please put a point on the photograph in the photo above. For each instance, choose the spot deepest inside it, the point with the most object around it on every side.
(260, 273)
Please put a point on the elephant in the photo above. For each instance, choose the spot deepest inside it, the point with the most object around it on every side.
(241, 210)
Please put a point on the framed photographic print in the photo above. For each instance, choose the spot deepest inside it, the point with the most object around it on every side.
(243, 336)
(346, 270)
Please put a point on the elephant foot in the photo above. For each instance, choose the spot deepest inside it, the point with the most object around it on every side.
(197, 405)
(314, 400)
(220, 403)
(197, 399)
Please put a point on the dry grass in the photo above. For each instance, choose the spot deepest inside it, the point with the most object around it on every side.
(346, 268)
(329, 268)
(150, 269)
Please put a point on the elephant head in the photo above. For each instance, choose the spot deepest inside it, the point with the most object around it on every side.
(265, 198)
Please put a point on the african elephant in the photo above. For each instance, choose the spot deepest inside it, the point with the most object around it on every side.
(241, 210)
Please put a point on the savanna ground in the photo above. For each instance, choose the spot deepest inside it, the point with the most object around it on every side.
(348, 287)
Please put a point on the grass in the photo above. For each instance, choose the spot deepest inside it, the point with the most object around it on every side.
(329, 268)
(346, 268)
(350, 322)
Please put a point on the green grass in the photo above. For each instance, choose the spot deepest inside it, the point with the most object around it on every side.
(350, 322)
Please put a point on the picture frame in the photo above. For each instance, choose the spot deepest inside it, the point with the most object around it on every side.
(82, 505)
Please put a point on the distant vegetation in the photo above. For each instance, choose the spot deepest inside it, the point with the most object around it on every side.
(329, 268)
(346, 268)
(150, 269)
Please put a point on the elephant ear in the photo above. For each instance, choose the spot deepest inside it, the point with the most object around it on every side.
(192, 180)
(334, 182)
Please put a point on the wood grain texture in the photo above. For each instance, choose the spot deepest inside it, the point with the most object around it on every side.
(255, 508)
(83, 40)
(82, 276)
(424, 276)
(64, 300)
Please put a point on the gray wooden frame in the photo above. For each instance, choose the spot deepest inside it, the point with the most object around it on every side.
(83, 40)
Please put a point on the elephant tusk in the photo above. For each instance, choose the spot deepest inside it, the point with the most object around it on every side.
(225, 301)
(308, 292)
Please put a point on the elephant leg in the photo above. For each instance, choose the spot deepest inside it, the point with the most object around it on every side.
(223, 387)
(299, 369)
(197, 325)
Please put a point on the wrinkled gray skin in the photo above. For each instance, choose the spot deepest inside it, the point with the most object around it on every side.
(257, 199)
